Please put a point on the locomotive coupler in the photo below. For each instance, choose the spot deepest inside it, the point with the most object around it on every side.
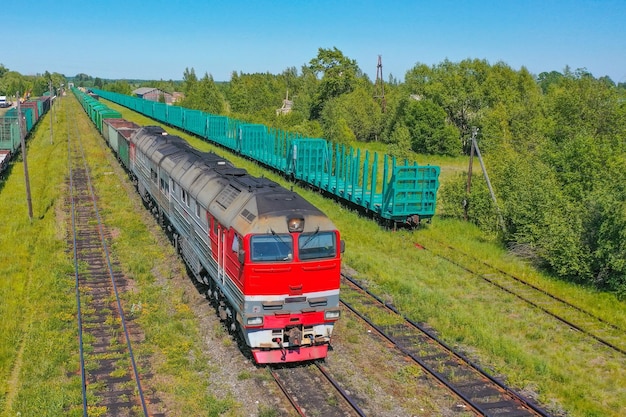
(295, 336)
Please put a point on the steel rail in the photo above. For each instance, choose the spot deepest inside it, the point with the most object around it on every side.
(112, 277)
(285, 391)
(76, 276)
(517, 397)
(343, 393)
(535, 304)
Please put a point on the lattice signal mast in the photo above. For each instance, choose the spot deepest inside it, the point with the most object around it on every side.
(380, 84)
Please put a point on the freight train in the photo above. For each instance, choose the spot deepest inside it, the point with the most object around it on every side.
(267, 259)
(394, 193)
(10, 133)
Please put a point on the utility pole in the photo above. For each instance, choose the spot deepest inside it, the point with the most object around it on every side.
(51, 109)
(23, 140)
(380, 84)
(469, 174)
(482, 166)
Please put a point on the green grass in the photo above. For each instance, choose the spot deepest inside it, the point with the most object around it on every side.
(508, 337)
(39, 361)
(38, 343)
(534, 353)
(172, 347)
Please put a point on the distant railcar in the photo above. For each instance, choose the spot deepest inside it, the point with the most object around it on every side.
(11, 133)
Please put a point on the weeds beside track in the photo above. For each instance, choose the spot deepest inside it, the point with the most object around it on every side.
(108, 354)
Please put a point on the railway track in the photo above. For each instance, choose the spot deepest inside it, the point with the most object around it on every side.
(312, 391)
(109, 372)
(476, 388)
(602, 331)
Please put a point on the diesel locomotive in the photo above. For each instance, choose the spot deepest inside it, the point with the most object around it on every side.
(268, 260)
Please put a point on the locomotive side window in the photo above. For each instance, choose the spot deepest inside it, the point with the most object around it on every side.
(236, 245)
(317, 245)
(164, 186)
(184, 196)
(264, 248)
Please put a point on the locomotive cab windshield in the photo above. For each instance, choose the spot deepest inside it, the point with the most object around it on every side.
(280, 247)
(271, 248)
(317, 245)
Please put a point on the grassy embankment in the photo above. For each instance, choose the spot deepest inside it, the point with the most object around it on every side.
(530, 350)
(39, 363)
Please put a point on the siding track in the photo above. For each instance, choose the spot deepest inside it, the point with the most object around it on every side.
(313, 392)
(605, 333)
(110, 376)
(476, 388)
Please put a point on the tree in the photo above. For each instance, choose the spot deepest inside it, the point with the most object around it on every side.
(13, 82)
(120, 86)
(39, 86)
(338, 76)
(189, 81)
(304, 99)
(255, 94)
(211, 99)
(400, 142)
(58, 79)
(470, 90)
(512, 110)
(547, 79)
(426, 124)
(581, 104)
(559, 174)
(359, 110)
(202, 95)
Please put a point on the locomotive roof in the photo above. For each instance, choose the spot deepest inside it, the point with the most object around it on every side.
(249, 204)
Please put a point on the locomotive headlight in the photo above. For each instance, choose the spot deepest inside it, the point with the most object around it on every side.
(331, 314)
(295, 224)
(254, 321)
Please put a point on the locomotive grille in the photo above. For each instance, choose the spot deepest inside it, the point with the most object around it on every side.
(227, 196)
(246, 214)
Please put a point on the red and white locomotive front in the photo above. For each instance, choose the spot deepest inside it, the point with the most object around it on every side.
(269, 259)
(291, 268)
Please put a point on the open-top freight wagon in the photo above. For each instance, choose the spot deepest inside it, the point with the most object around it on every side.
(392, 192)
(10, 133)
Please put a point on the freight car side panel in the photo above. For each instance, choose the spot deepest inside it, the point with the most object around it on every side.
(160, 112)
(175, 116)
(119, 132)
(9, 133)
(195, 122)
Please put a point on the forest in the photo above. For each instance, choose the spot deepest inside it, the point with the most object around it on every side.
(554, 143)
(12, 82)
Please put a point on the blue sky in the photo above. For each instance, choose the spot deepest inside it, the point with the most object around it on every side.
(158, 39)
